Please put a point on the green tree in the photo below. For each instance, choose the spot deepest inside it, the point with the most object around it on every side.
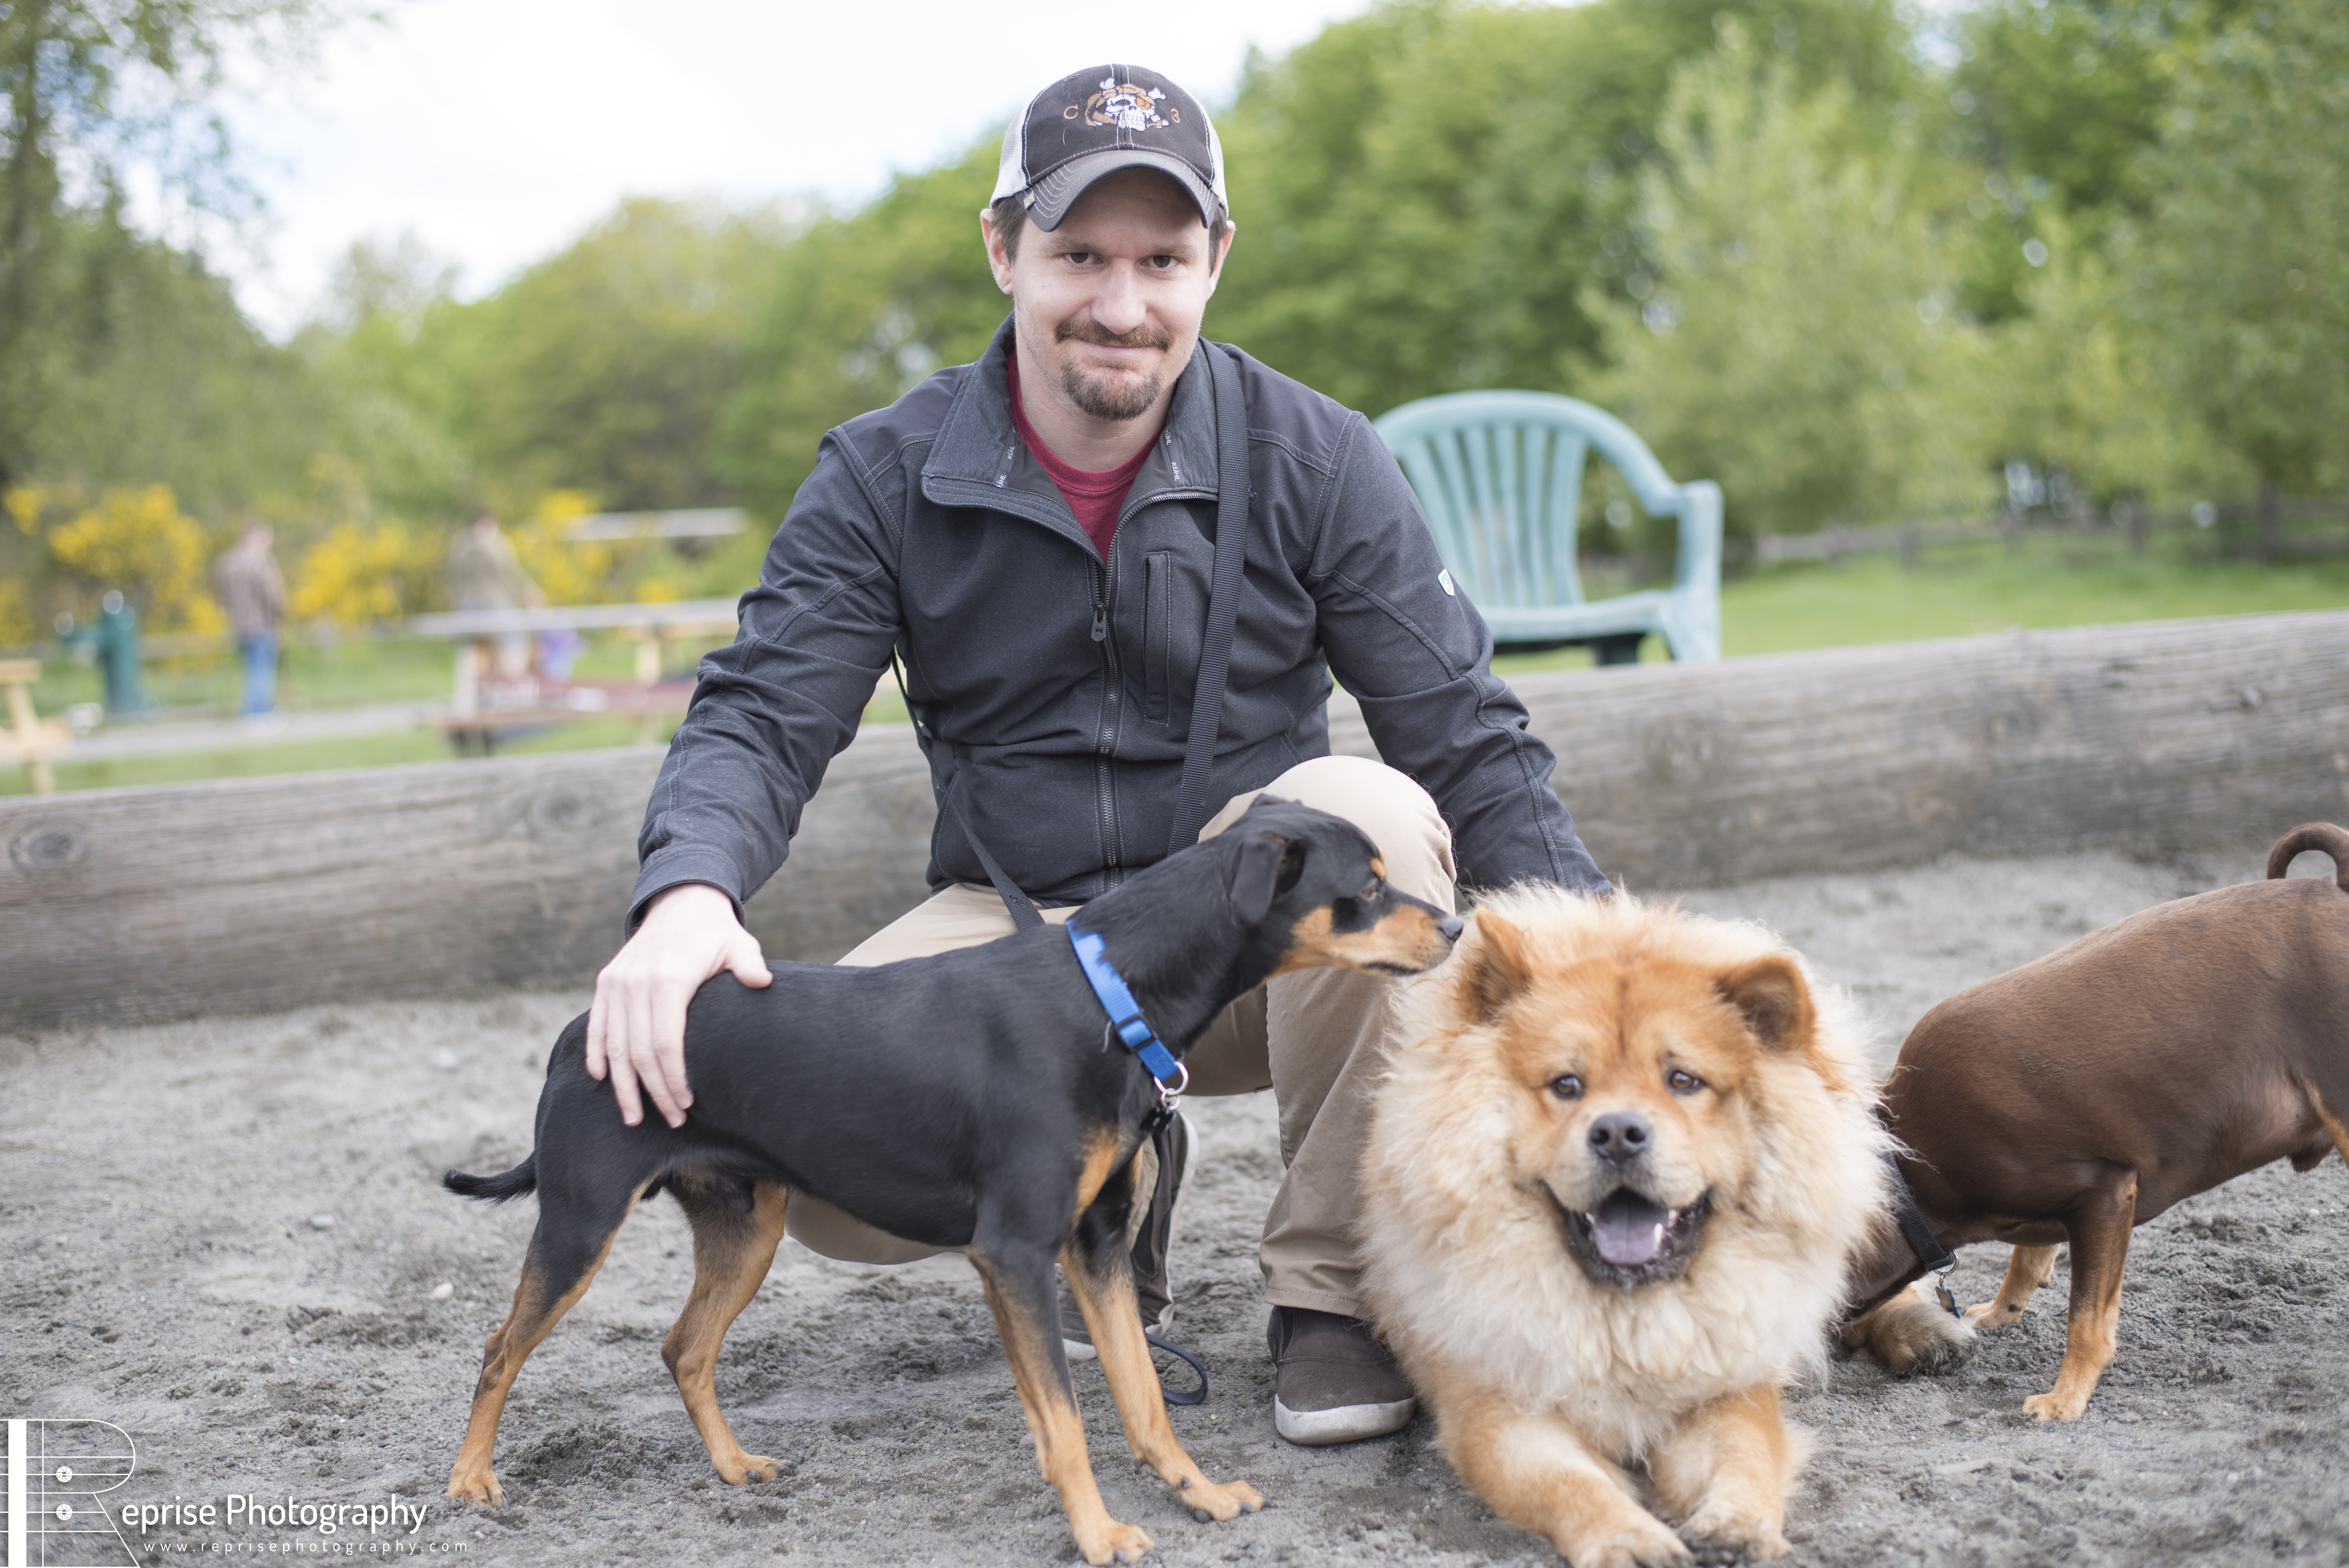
(1424, 192)
(1802, 346)
(2241, 269)
(2056, 101)
(142, 369)
(860, 309)
(91, 87)
(605, 368)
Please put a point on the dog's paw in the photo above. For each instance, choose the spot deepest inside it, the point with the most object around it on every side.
(743, 1469)
(476, 1486)
(1910, 1335)
(1990, 1315)
(1642, 1543)
(2055, 1407)
(1717, 1537)
(1111, 1541)
(1210, 1502)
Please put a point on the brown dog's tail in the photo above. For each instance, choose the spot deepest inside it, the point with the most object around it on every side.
(2320, 836)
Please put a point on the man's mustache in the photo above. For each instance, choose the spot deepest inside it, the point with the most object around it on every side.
(1094, 333)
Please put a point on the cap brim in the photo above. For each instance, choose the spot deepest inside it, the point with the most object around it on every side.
(1056, 191)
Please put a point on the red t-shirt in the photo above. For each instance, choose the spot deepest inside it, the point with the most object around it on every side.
(1095, 495)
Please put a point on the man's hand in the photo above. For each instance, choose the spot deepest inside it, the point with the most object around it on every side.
(636, 1025)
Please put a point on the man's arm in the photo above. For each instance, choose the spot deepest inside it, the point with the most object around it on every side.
(1417, 653)
(770, 712)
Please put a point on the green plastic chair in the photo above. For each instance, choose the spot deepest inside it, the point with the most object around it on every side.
(1499, 475)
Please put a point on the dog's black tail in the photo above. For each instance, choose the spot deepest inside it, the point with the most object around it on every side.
(2323, 837)
(513, 1183)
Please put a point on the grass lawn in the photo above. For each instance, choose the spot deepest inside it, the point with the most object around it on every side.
(314, 755)
(1959, 591)
(348, 674)
(1963, 590)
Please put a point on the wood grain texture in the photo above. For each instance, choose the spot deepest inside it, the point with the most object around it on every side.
(254, 894)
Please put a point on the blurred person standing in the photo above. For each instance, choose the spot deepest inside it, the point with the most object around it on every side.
(253, 595)
(485, 575)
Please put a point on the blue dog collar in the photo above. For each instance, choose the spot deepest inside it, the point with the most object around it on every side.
(1125, 1013)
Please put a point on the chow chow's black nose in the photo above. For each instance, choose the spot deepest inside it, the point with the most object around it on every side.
(1619, 1136)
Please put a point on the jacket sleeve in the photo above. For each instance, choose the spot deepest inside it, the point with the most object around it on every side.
(776, 706)
(1404, 640)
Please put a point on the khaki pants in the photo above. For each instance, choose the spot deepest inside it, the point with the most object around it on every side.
(1317, 1038)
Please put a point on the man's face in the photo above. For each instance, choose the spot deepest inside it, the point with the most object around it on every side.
(1109, 304)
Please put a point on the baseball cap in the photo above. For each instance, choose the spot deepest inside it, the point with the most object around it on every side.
(1107, 118)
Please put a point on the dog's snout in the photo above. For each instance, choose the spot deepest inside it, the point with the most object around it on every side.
(1619, 1136)
(1450, 927)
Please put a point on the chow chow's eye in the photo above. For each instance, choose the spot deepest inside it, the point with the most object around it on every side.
(1681, 1082)
(1565, 1086)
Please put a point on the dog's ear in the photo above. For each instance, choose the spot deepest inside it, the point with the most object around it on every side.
(1253, 877)
(1495, 965)
(1259, 803)
(1773, 996)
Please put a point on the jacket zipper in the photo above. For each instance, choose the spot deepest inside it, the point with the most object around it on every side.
(1104, 585)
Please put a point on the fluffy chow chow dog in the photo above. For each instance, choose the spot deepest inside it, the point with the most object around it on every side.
(1615, 1180)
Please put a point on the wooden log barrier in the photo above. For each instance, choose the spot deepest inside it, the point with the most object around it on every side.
(248, 896)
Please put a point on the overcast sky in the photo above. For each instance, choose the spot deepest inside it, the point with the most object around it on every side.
(497, 129)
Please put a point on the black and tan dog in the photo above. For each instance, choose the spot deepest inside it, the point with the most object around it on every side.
(973, 1101)
(2079, 1095)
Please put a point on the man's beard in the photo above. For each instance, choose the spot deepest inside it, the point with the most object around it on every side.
(1116, 398)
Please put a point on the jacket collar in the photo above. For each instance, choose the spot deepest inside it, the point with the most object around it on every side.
(978, 460)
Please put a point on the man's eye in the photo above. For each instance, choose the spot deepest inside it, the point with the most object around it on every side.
(1077, 258)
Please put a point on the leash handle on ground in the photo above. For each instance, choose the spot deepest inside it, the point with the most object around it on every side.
(1198, 1396)
(1223, 598)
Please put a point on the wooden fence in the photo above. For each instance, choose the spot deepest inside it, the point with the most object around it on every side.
(248, 895)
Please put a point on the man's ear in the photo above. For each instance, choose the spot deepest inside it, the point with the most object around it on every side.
(999, 260)
(1771, 994)
(1495, 966)
(1251, 876)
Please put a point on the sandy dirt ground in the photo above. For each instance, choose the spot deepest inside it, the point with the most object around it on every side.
(225, 1238)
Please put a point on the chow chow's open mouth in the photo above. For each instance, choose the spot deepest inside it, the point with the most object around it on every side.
(1630, 1240)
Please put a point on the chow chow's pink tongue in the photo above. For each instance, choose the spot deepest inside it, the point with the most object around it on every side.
(1628, 1230)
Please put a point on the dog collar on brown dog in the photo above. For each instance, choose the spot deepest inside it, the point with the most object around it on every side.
(1937, 1258)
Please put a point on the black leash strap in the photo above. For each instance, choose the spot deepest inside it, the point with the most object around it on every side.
(1214, 653)
(1024, 915)
(1223, 599)
(1937, 1258)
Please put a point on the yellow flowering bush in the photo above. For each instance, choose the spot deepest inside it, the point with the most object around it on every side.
(567, 573)
(366, 572)
(137, 541)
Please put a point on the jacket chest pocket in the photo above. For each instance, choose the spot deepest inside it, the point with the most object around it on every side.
(1157, 632)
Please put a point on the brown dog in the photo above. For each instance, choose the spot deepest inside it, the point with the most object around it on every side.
(2081, 1095)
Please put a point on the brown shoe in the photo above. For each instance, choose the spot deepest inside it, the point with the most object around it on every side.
(1333, 1381)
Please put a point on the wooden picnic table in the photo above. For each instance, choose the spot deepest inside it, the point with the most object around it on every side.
(482, 704)
(26, 738)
